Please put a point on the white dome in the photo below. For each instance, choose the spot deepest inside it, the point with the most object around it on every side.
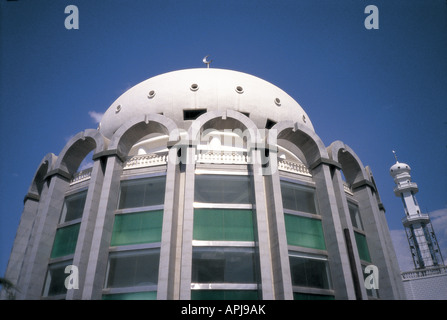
(204, 89)
(398, 168)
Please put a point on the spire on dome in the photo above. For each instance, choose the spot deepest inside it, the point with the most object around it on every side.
(395, 156)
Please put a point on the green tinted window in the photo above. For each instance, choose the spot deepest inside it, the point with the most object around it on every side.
(362, 246)
(307, 296)
(224, 295)
(136, 228)
(304, 232)
(150, 295)
(223, 224)
(65, 241)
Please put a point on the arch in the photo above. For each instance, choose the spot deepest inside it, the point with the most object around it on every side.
(45, 166)
(352, 167)
(231, 120)
(78, 148)
(305, 139)
(138, 127)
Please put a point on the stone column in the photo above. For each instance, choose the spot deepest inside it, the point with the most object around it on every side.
(188, 222)
(333, 230)
(281, 277)
(343, 208)
(169, 270)
(49, 214)
(282, 280)
(375, 237)
(102, 232)
(22, 240)
(262, 228)
(87, 228)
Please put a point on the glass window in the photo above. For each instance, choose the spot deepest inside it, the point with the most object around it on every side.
(55, 280)
(223, 265)
(224, 295)
(73, 207)
(362, 246)
(65, 240)
(307, 271)
(149, 295)
(298, 198)
(307, 296)
(355, 216)
(304, 232)
(223, 225)
(142, 192)
(136, 228)
(133, 268)
(222, 189)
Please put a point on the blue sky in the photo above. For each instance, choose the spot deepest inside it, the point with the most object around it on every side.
(376, 90)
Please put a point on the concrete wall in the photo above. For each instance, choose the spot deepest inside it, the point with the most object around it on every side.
(427, 288)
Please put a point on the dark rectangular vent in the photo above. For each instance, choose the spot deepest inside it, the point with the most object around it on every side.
(269, 124)
(193, 114)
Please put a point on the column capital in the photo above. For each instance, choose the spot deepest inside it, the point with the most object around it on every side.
(363, 183)
(325, 161)
(58, 172)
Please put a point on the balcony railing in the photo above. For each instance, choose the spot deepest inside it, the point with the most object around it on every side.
(347, 189)
(81, 176)
(218, 157)
(427, 272)
(145, 160)
(293, 167)
(223, 157)
(404, 186)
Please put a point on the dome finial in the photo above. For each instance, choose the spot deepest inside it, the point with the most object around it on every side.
(205, 61)
(395, 156)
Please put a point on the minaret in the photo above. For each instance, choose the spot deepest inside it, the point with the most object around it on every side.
(421, 237)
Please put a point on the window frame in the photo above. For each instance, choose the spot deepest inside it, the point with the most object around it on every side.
(139, 247)
(351, 204)
(227, 247)
(304, 185)
(233, 175)
(307, 289)
(66, 259)
(136, 178)
(250, 245)
(63, 214)
(136, 249)
(55, 263)
(308, 249)
(160, 209)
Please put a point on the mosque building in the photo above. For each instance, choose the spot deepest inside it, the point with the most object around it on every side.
(205, 184)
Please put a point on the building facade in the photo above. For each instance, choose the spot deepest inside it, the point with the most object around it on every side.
(204, 184)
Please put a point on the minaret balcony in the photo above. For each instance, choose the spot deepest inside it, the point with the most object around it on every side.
(406, 187)
(420, 218)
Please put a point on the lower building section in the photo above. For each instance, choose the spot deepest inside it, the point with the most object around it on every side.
(426, 284)
(218, 227)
